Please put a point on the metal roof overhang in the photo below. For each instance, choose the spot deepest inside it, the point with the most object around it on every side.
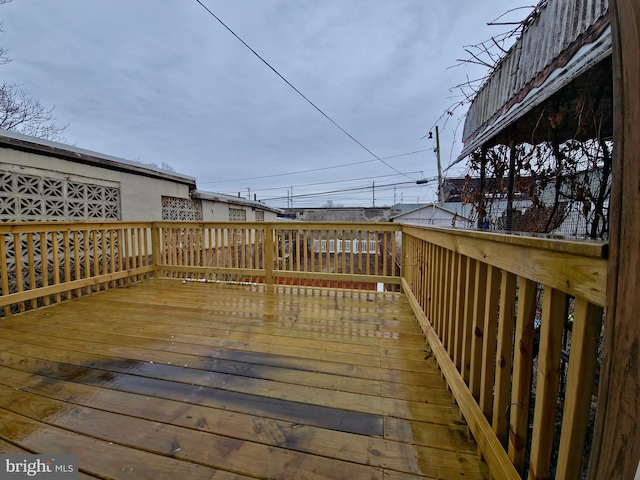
(584, 59)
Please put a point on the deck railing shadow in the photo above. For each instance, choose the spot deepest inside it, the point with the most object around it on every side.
(502, 314)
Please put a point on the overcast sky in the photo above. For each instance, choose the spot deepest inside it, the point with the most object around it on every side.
(163, 81)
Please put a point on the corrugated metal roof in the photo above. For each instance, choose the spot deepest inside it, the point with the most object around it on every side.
(562, 40)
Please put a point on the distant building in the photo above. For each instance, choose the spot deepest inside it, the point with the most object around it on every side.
(42, 180)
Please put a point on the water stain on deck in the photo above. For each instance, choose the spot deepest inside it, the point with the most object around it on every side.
(149, 379)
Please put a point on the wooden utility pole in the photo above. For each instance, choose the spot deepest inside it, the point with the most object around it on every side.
(510, 186)
(440, 183)
(373, 194)
(616, 443)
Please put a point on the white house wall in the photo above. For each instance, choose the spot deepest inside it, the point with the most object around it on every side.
(215, 211)
(140, 196)
(219, 212)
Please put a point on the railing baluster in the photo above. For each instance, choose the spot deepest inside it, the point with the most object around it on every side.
(467, 322)
(55, 264)
(431, 309)
(218, 248)
(435, 289)
(453, 301)
(96, 255)
(66, 248)
(554, 305)
(456, 353)
(587, 323)
(477, 329)
(522, 365)
(489, 347)
(87, 258)
(305, 251)
(103, 254)
(385, 253)
(506, 324)
(112, 252)
(445, 270)
(17, 248)
(360, 251)
(44, 265)
(5, 273)
(32, 267)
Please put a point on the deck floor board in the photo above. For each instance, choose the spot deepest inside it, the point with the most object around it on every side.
(221, 381)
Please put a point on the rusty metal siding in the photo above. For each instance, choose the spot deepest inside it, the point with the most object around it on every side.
(557, 26)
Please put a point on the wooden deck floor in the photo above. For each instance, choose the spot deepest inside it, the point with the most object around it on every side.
(165, 380)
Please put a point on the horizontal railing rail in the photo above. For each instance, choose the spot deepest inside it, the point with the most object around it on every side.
(498, 311)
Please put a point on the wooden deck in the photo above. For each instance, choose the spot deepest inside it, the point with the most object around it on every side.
(164, 379)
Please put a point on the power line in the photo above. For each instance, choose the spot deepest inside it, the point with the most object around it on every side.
(315, 194)
(299, 92)
(313, 169)
(325, 183)
(363, 195)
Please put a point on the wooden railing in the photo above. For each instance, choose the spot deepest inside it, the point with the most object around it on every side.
(44, 263)
(501, 313)
(308, 254)
(498, 308)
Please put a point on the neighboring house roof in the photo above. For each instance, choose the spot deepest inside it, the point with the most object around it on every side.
(560, 45)
(434, 206)
(406, 207)
(18, 141)
(230, 199)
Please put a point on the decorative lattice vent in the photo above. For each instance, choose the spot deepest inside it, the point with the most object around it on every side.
(181, 209)
(30, 197)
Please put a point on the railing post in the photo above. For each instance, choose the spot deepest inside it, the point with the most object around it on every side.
(268, 253)
(155, 248)
(403, 255)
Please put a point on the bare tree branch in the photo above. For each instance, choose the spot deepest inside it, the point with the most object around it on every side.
(22, 113)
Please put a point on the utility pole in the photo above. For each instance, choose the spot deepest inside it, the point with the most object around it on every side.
(373, 193)
(440, 185)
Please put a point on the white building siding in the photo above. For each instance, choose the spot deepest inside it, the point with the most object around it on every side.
(140, 197)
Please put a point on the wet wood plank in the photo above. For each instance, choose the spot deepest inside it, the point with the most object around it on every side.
(214, 381)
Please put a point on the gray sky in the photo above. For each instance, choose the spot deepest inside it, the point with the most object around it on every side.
(163, 81)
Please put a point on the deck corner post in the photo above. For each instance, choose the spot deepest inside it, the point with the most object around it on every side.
(616, 445)
(268, 253)
(404, 252)
(155, 248)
